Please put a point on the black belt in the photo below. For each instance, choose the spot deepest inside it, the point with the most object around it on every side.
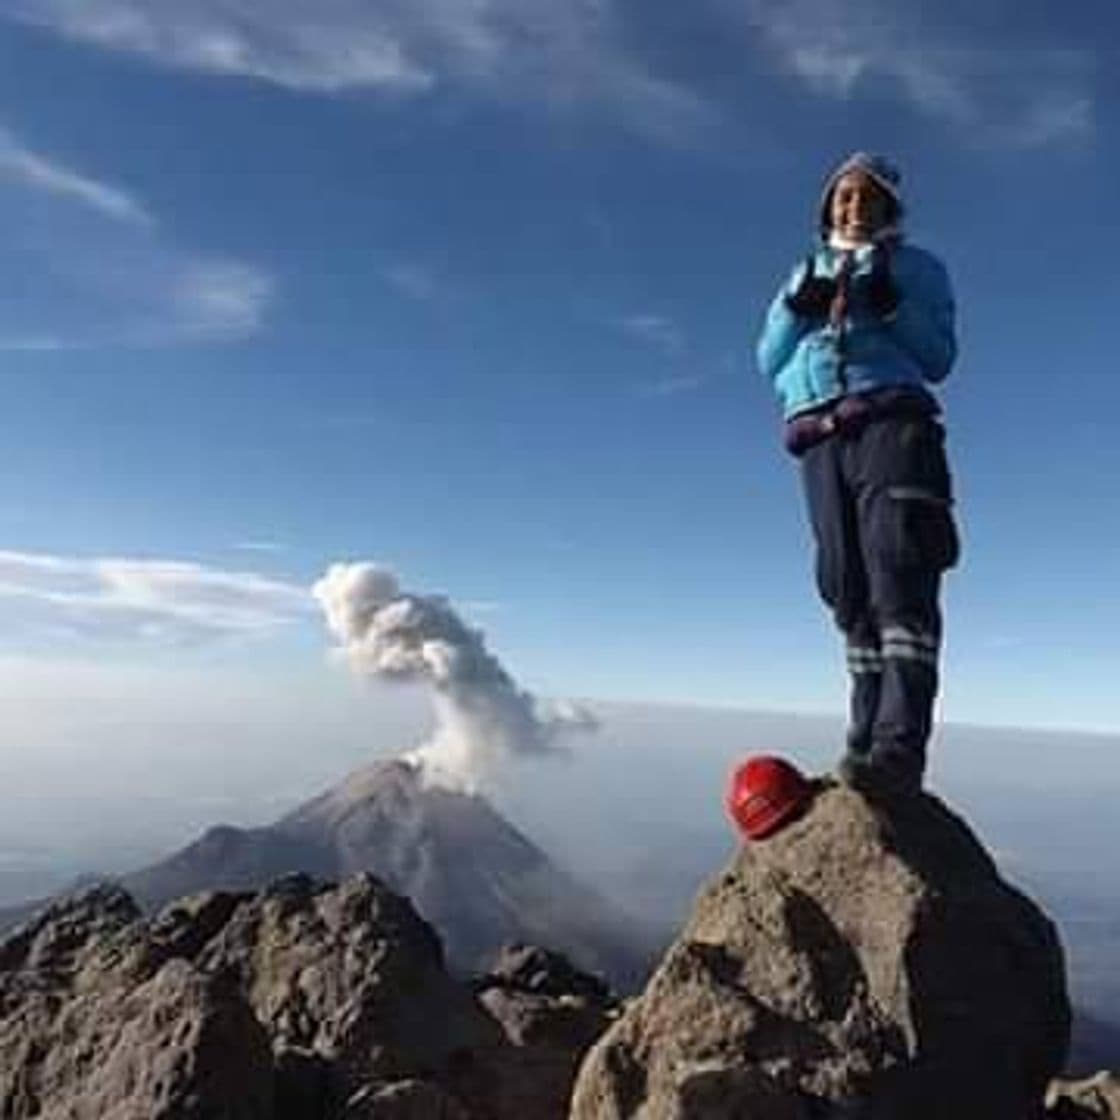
(851, 414)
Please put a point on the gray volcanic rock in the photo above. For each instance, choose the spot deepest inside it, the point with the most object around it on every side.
(97, 1024)
(304, 1001)
(867, 956)
(354, 976)
(529, 968)
(468, 871)
(404, 1100)
(551, 1013)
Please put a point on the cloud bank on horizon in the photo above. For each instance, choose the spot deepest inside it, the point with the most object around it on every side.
(483, 717)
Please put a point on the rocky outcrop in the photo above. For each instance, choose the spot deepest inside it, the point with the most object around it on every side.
(97, 1023)
(304, 1001)
(551, 1013)
(351, 975)
(867, 960)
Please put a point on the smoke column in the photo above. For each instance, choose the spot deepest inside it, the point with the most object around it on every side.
(482, 717)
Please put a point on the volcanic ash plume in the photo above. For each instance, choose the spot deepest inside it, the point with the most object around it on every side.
(482, 717)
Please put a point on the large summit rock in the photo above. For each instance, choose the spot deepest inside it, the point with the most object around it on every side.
(866, 961)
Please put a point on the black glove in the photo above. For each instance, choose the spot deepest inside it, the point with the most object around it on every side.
(813, 295)
(879, 289)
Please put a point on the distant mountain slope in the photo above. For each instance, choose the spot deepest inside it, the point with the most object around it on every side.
(468, 871)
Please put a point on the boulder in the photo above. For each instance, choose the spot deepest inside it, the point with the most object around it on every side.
(95, 1025)
(550, 1012)
(354, 975)
(867, 960)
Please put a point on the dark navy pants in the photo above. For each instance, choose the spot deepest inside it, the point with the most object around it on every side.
(880, 500)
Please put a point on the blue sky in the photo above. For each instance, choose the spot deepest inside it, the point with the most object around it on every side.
(472, 290)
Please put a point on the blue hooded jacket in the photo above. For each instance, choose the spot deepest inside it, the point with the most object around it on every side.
(811, 364)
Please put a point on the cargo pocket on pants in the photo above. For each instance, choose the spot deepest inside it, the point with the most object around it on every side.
(925, 534)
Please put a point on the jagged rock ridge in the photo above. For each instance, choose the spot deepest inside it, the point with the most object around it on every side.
(301, 1002)
(866, 962)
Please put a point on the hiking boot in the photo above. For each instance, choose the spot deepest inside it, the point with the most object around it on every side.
(898, 772)
(852, 769)
(876, 775)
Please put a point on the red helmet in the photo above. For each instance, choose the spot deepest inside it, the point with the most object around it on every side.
(765, 793)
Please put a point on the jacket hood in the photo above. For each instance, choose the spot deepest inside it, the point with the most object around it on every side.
(878, 168)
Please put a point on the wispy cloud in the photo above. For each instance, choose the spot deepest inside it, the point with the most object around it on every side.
(1015, 92)
(327, 47)
(562, 53)
(22, 165)
(260, 546)
(412, 279)
(122, 599)
(657, 331)
(582, 55)
(667, 339)
(35, 343)
(100, 270)
(672, 386)
(216, 299)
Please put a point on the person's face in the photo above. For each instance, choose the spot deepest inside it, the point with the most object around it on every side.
(860, 207)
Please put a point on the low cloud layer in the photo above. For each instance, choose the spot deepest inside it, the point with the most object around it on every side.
(116, 599)
(483, 718)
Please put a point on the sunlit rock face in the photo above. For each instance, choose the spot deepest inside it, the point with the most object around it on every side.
(869, 955)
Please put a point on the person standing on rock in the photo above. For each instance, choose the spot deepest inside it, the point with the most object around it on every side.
(851, 344)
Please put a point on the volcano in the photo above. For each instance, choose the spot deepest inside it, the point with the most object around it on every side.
(479, 880)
